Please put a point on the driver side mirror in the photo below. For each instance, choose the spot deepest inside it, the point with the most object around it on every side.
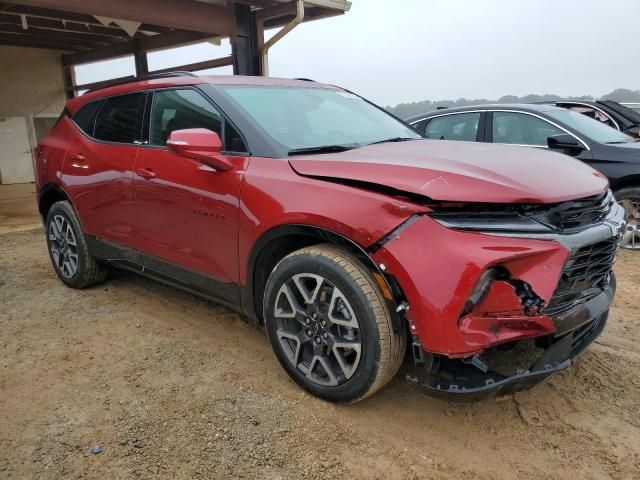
(564, 142)
(201, 145)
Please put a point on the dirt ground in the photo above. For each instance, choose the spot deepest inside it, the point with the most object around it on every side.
(172, 386)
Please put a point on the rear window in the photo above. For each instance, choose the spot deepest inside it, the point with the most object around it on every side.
(119, 119)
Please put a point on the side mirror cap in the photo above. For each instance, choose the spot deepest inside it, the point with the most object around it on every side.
(201, 145)
(564, 142)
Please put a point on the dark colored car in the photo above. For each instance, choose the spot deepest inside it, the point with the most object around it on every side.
(633, 106)
(355, 241)
(543, 126)
(612, 114)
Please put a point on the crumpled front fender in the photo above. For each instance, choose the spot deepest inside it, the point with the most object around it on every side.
(438, 268)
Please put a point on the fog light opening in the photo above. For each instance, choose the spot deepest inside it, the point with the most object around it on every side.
(482, 287)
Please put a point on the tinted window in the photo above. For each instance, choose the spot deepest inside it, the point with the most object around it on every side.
(521, 129)
(86, 116)
(461, 126)
(178, 110)
(118, 119)
(592, 129)
(232, 140)
(593, 113)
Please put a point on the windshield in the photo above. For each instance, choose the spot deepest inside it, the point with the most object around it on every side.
(303, 118)
(590, 128)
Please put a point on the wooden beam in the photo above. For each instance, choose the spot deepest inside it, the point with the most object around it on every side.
(69, 79)
(190, 67)
(91, 39)
(140, 60)
(186, 14)
(29, 41)
(58, 25)
(42, 17)
(195, 67)
(145, 44)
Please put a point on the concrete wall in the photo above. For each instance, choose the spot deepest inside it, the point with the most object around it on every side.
(31, 84)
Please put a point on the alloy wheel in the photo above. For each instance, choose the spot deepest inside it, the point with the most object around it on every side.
(63, 246)
(631, 236)
(317, 329)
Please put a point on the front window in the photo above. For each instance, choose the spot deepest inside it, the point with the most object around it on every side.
(522, 129)
(312, 117)
(590, 128)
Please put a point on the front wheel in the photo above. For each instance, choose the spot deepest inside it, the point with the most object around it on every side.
(629, 199)
(329, 325)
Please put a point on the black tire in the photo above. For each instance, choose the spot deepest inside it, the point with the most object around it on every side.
(381, 350)
(629, 198)
(85, 271)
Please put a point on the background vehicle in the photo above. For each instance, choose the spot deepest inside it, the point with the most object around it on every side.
(612, 114)
(633, 106)
(303, 205)
(544, 126)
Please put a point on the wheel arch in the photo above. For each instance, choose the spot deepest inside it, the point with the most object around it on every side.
(278, 242)
(50, 194)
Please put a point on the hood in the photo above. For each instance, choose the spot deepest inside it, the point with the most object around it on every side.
(460, 171)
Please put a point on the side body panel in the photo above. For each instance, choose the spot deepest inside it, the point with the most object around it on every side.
(188, 212)
(274, 196)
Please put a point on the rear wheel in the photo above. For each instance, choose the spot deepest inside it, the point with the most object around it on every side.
(329, 325)
(68, 248)
(629, 198)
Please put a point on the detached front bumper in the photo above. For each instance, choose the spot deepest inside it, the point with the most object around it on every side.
(459, 380)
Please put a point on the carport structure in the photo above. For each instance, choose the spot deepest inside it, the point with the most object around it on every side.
(41, 41)
(92, 30)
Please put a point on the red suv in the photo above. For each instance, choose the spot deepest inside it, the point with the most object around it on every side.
(354, 240)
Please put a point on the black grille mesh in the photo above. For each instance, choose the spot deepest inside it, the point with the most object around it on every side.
(584, 276)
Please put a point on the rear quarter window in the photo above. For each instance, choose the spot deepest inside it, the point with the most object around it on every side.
(119, 119)
(85, 117)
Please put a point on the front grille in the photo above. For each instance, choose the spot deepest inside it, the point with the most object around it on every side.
(584, 276)
(575, 214)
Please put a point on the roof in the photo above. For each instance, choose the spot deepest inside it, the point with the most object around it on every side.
(167, 81)
(525, 107)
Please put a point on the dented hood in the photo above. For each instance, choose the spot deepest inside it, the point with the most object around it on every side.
(460, 171)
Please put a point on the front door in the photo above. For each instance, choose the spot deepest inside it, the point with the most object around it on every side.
(188, 211)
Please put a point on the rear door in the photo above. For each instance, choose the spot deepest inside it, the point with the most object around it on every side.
(98, 166)
(188, 211)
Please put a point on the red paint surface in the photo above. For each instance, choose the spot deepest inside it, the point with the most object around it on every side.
(438, 269)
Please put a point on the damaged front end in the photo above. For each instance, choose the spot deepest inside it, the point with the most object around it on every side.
(532, 287)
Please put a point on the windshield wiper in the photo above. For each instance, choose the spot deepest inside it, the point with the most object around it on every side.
(393, 139)
(321, 149)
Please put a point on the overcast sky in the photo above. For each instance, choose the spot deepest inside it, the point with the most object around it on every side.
(394, 51)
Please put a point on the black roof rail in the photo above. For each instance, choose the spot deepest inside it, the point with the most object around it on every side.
(132, 79)
(305, 80)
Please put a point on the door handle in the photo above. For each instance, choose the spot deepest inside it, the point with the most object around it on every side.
(78, 160)
(145, 173)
